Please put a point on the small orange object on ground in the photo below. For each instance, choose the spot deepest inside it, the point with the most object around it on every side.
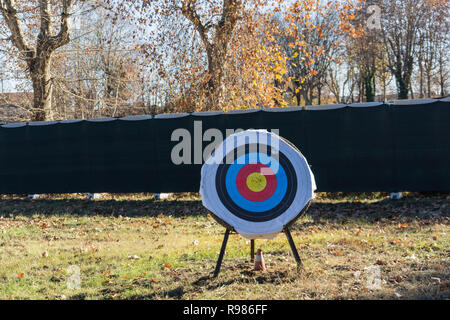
(259, 261)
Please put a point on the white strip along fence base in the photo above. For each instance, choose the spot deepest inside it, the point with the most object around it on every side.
(256, 183)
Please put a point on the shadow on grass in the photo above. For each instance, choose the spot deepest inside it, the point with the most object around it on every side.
(406, 209)
(78, 207)
(207, 283)
(176, 293)
(418, 285)
(322, 211)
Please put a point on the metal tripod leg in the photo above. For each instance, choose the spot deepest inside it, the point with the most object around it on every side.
(293, 248)
(252, 251)
(222, 252)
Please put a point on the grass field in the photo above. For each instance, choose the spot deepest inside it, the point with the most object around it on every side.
(132, 247)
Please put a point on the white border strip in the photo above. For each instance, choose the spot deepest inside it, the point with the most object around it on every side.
(137, 118)
(171, 115)
(284, 109)
(326, 107)
(42, 123)
(414, 102)
(366, 104)
(243, 111)
(72, 121)
(14, 125)
(102, 119)
(207, 113)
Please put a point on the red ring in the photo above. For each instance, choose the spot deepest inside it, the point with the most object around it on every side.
(241, 182)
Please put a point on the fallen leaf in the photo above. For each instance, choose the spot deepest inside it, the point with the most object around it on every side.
(436, 280)
(43, 226)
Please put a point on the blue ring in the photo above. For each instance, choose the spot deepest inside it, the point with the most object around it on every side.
(238, 199)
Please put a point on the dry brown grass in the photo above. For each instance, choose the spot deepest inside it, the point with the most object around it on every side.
(132, 247)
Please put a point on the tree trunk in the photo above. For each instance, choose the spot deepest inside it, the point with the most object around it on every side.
(319, 94)
(42, 87)
(429, 84)
(215, 77)
(38, 57)
(441, 77)
(420, 79)
(215, 49)
(361, 93)
(298, 97)
(307, 98)
(369, 88)
(402, 87)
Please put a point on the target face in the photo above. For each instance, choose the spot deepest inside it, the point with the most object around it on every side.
(256, 182)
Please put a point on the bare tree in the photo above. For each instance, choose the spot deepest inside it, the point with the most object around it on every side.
(401, 21)
(382, 73)
(38, 56)
(100, 73)
(216, 46)
(310, 52)
(433, 35)
(443, 73)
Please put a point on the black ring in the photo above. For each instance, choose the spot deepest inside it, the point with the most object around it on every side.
(264, 216)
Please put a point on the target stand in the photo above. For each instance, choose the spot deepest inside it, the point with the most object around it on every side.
(256, 184)
(229, 230)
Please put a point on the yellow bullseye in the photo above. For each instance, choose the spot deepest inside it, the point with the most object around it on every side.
(256, 182)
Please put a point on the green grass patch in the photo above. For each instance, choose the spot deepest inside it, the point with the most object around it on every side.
(132, 247)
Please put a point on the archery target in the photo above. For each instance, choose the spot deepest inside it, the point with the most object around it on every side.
(256, 182)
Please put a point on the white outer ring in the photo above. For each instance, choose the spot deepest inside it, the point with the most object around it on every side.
(254, 230)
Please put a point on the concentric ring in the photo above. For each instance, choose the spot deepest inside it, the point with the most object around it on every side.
(242, 182)
(257, 211)
(263, 190)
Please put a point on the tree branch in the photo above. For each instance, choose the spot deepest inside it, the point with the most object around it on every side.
(9, 12)
(230, 12)
(45, 18)
(189, 12)
(63, 37)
